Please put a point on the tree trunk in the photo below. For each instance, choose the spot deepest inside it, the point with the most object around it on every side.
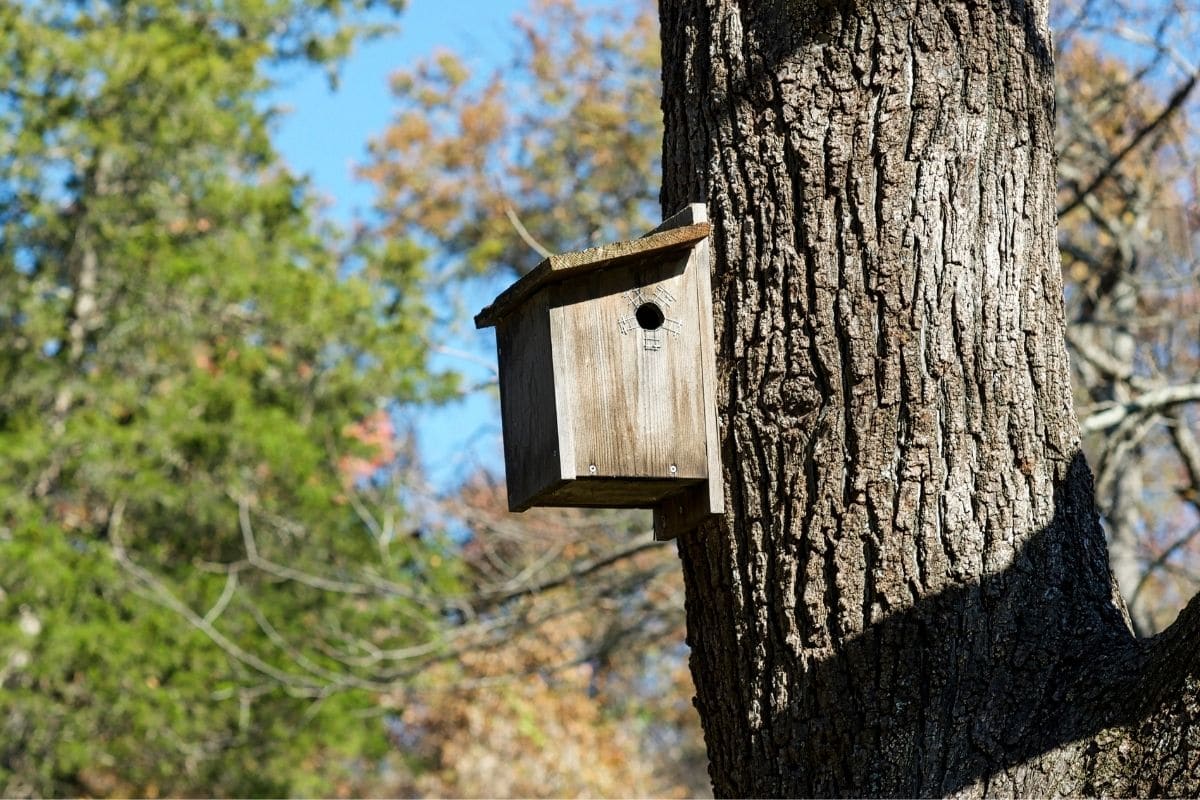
(910, 593)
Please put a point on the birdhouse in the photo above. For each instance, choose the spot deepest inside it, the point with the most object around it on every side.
(608, 378)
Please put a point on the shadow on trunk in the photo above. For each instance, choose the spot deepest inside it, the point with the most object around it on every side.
(980, 679)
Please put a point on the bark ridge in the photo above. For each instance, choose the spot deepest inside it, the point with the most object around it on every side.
(909, 594)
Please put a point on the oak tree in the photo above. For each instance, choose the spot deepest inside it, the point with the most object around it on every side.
(910, 591)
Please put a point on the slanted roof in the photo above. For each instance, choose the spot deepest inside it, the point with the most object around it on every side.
(568, 265)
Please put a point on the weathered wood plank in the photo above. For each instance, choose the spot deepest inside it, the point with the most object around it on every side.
(528, 405)
(559, 267)
(684, 511)
(636, 396)
(615, 492)
(691, 214)
(702, 266)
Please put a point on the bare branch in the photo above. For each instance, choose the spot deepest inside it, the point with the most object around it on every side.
(1189, 452)
(1104, 361)
(581, 571)
(1154, 400)
(231, 582)
(375, 586)
(1162, 558)
(296, 683)
(1177, 100)
(525, 235)
(470, 358)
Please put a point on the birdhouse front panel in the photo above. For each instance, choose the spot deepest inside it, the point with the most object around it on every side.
(627, 347)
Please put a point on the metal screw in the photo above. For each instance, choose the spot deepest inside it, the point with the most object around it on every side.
(673, 469)
(592, 469)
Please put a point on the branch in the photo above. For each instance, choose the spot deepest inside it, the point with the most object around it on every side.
(163, 596)
(1154, 400)
(1177, 100)
(231, 582)
(1104, 361)
(1175, 653)
(331, 679)
(525, 235)
(502, 596)
(463, 355)
(1118, 449)
(1189, 452)
(307, 578)
(1162, 558)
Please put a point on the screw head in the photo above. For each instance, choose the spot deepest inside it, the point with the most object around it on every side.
(592, 469)
(673, 469)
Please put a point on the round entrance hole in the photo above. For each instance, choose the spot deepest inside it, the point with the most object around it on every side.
(650, 316)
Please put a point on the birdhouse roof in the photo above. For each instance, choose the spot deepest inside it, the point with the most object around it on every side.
(568, 265)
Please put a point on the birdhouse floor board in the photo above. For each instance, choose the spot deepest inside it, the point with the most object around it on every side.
(613, 492)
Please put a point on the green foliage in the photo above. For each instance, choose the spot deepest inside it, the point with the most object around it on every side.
(195, 373)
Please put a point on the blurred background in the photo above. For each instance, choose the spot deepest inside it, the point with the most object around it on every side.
(253, 537)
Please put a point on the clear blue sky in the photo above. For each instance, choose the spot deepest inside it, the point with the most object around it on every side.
(324, 134)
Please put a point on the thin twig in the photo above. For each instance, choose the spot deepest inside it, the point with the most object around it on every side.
(1161, 560)
(463, 355)
(525, 235)
(231, 582)
(573, 575)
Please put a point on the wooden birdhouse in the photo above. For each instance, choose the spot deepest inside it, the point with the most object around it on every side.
(608, 378)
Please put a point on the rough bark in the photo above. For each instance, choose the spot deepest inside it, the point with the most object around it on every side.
(910, 593)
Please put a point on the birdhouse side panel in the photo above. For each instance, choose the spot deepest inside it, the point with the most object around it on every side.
(701, 263)
(536, 457)
(631, 371)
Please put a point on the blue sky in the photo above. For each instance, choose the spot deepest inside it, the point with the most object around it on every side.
(324, 134)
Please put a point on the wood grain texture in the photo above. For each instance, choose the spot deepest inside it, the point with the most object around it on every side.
(701, 256)
(653, 247)
(528, 406)
(690, 214)
(684, 512)
(635, 411)
(615, 492)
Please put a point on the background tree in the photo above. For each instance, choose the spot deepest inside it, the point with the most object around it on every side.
(558, 151)
(1127, 236)
(581, 689)
(188, 360)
